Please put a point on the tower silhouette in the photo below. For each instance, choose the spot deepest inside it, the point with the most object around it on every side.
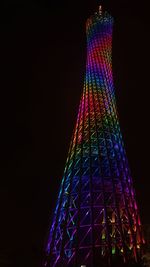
(96, 220)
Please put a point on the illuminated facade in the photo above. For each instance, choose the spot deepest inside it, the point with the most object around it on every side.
(96, 218)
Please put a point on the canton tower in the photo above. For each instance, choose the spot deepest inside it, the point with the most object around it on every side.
(96, 220)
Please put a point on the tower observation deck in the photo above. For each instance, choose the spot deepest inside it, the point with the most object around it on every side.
(96, 220)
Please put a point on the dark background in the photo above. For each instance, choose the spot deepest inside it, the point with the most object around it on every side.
(42, 57)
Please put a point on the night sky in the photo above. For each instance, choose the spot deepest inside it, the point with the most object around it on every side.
(42, 57)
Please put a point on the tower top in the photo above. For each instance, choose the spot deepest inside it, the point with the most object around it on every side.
(100, 10)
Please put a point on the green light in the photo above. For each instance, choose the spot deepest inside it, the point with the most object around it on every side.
(113, 250)
(103, 236)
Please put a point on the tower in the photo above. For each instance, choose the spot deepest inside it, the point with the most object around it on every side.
(96, 220)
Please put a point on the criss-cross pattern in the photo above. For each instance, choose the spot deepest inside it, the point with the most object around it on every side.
(96, 217)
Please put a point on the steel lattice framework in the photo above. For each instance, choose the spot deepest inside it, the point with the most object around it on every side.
(96, 217)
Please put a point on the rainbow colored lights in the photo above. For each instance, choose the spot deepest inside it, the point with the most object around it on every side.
(96, 218)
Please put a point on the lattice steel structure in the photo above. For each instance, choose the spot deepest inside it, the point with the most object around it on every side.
(96, 220)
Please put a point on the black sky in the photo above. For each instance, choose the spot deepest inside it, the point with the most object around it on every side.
(42, 56)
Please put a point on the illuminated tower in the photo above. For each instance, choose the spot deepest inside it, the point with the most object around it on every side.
(96, 221)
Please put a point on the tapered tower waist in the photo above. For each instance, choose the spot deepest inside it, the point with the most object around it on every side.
(99, 36)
